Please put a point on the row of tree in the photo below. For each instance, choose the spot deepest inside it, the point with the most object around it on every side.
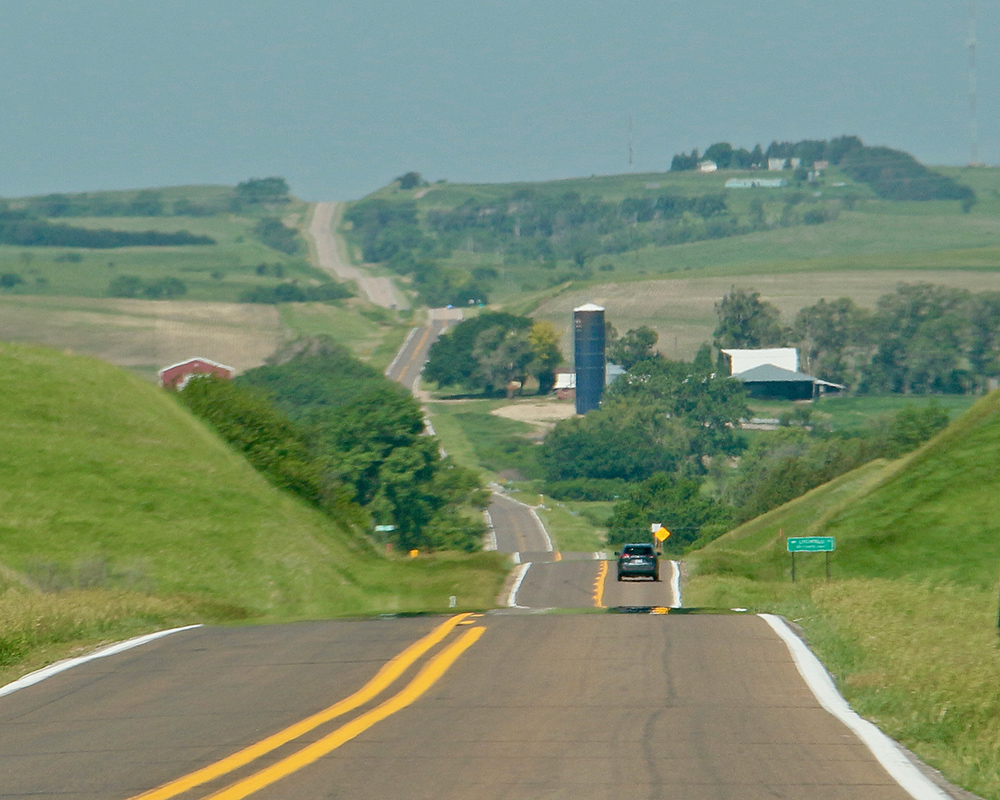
(263, 193)
(534, 226)
(493, 351)
(808, 151)
(333, 430)
(892, 174)
(919, 339)
(21, 229)
(159, 289)
(292, 292)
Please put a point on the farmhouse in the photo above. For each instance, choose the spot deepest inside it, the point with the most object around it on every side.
(176, 376)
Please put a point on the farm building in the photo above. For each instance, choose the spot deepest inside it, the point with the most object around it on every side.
(773, 374)
(176, 376)
(756, 183)
(742, 360)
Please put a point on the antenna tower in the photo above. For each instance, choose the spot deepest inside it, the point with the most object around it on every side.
(973, 122)
(629, 142)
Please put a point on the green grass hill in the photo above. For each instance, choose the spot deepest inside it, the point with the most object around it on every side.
(908, 623)
(114, 498)
(931, 515)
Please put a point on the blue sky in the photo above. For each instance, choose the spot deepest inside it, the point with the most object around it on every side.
(341, 97)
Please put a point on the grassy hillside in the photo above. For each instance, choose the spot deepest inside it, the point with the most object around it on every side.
(108, 485)
(863, 250)
(908, 623)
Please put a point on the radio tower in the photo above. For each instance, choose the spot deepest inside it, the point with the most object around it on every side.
(973, 123)
(629, 142)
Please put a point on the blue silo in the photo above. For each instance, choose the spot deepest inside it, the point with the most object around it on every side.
(588, 337)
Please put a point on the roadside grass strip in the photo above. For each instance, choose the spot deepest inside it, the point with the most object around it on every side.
(61, 666)
(885, 750)
(383, 679)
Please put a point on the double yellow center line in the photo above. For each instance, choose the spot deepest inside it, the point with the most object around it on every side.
(385, 677)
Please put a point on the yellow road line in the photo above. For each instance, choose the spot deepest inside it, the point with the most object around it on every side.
(384, 678)
(410, 362)
(558, 556)
(602, 573)
(426, 678)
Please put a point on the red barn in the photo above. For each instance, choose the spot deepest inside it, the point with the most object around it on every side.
(176, 376)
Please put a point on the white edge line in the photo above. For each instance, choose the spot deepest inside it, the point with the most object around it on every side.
(491, 534)
(402, 348)
(545, 533)
(61, 666)
(519, 573)
(675, 584)
(902, 770)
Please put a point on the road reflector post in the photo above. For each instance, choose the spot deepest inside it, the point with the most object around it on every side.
(812, 544)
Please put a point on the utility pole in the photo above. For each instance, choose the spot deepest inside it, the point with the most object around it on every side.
(973, 121)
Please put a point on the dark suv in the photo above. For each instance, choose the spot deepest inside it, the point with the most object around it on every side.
(638, 559)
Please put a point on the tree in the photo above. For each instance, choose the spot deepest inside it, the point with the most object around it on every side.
(675, 502)
(721, 153)
(9, 280)
(826, 333)
(920, 330)
(682, 162)
(502, 357)
(262, 190)
(636, 345)
(984, 333)
(411, 180)
(453, 360)
(125, 286)
(546, 355)
(746, 321)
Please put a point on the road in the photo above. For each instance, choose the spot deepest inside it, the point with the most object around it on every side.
(520, 702)
(379, 289)
(531, 705)
(409, 362)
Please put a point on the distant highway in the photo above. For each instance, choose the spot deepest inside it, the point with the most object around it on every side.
(409, 362)
(379, 289)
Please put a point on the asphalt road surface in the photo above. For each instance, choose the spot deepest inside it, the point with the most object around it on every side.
(515, 705)
(379, 289)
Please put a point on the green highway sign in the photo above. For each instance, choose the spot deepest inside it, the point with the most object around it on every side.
(811, 544)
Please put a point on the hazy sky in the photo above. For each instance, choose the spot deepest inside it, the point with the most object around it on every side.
(340, 97)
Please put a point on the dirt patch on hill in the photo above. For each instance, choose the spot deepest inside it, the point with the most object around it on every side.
(542, 413)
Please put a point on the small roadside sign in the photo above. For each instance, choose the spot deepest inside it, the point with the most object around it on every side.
(662, 534)
(384, 528)
(811, 544)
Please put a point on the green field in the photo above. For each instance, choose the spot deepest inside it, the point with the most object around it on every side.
(108, 485)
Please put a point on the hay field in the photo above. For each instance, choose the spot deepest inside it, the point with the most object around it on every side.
(144, 335)
(682, 310)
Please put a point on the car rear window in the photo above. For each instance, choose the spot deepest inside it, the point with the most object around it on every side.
(638, 550)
